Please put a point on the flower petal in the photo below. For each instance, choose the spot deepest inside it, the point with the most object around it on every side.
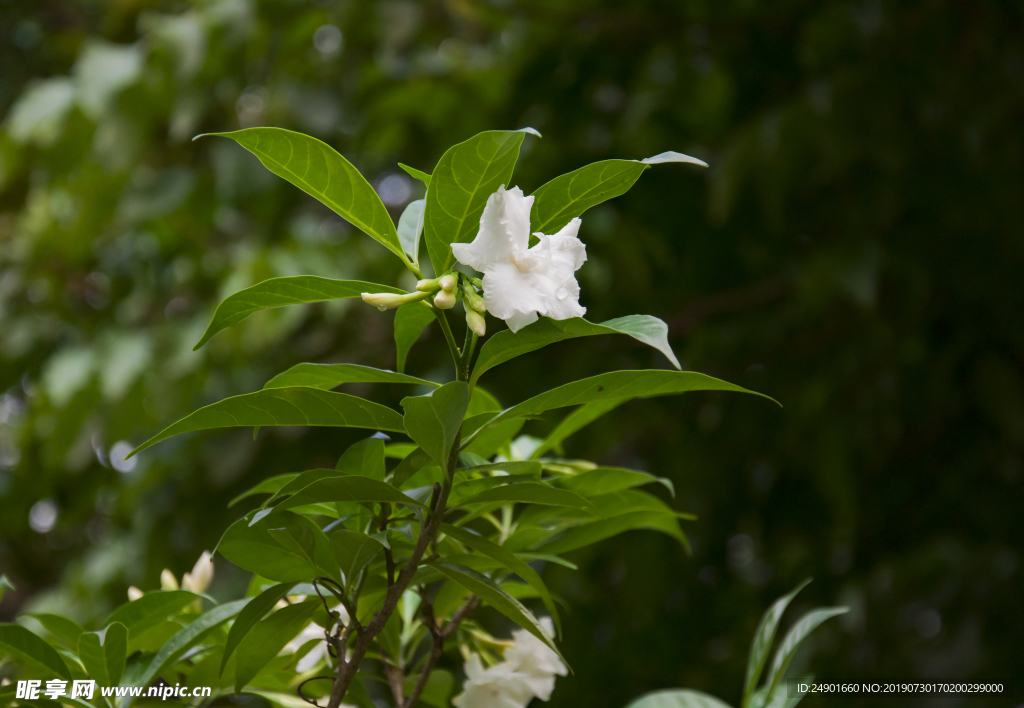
(504, 230)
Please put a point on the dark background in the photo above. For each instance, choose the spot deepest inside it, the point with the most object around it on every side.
(855, 251)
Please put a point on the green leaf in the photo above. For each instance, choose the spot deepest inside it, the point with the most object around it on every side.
(677, 698)
(321, 172)
(410, 229)
(590, 533)
(531, 493)
(304, 539)
(491, 438)
(437, 689)
(506, 558)
(797, 633)
(327, 376)
(150, 610)
(413, 463)
(433, 421)
(252, 547)
(268, 638)
(249, 616)
(62, 628)
(465, 176)
(605, 480)
(103, 653)
(410, 321)
(619, 385)
(365, 458)
(347, 489)
(762, 642)
(299, 482)
(271, 485)
(416, 174)
(480, 401)
(507, 344)
(189, 635)
(354, 550)
(285, 406)
(488, 591)
(278, 292)
(575, 421)
(567, 196)
(33, 650)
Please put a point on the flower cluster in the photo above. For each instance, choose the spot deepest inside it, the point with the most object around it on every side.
(528, 672)
(196, 581)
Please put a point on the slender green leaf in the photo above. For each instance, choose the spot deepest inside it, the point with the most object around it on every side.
(189, 635)
(327, 376)
(492, 594)
(268, 637)
(410, 321)
(619, 385)
(249, 616)
(531, 493)
(150, 610)
(33, 650)
(590, 533)
(321, 172)
(354, 550)
(605, 480)
(271, 485)
(350, 488)
(677, 698)
(299, 482)
(797, 633)
(410, 228)
(103, 653)
(416, 174)
(433, 421)
(413, 463)
(465, 176)
(62, 628)
(575, 421)
(490, 438)
(507, 344)
(567, 196)
(365, 458)
(762, 642)
(285, 406)
(278, 292)
(506, 558)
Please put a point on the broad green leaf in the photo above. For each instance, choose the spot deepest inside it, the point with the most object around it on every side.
(299, 482)
(797, 633)
(677, 698)
(249, 616)
(347, 489)
(506, 558)
(619, 385)
(327, 376)
(150, 610)
(33, 650)
(321, 172)
(762, 642)
(410, 228)
(189, 635)
(365, 458)
(465, 176)
(507, 344)
(354, 550)
(567, 196)
(481, 401)
(103, 653)
(285, 406)
(437, 689)
(278, 292)
(410, 321)
(590, 533)
(575, 421)
(253, 548)
(271, 485)
(531, 493)
(491, 438)
(626, 501)
(416, 174)
(606, 480)
(304, 539)
(433, 421)
(492, 594)
(62, 628)
(268, 638)
(514, 467)
(413, 463)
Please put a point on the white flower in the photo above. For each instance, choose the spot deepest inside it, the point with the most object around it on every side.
(202, 574)
(497, 687)
(532, 658)
(167, 580)
(134, 594)
(520, 282)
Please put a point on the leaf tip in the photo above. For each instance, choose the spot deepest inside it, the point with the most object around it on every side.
(531, 131)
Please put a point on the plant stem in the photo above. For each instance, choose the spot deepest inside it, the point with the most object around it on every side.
(449, 337)
(438, 637)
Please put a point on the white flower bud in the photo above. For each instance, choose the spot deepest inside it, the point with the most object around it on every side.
(476, 322)
(427, 285)
(448, 283)
(383, 301)
(202, 574)
(167, 580)
(134, 594)
(444, 300)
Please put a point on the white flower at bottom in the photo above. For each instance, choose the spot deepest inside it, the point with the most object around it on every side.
(520, 282)
(497, 687)
(532, 658)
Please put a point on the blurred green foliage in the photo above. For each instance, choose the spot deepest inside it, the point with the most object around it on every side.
(855, 252)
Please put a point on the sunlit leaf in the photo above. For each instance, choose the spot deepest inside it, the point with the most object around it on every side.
(64, 629)
(327, 376)
(410, 228)
(348, 488)
(605, 480)
(763, 639)
(416, 174)
(796, 634)
(531, 493)
(271, 485)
